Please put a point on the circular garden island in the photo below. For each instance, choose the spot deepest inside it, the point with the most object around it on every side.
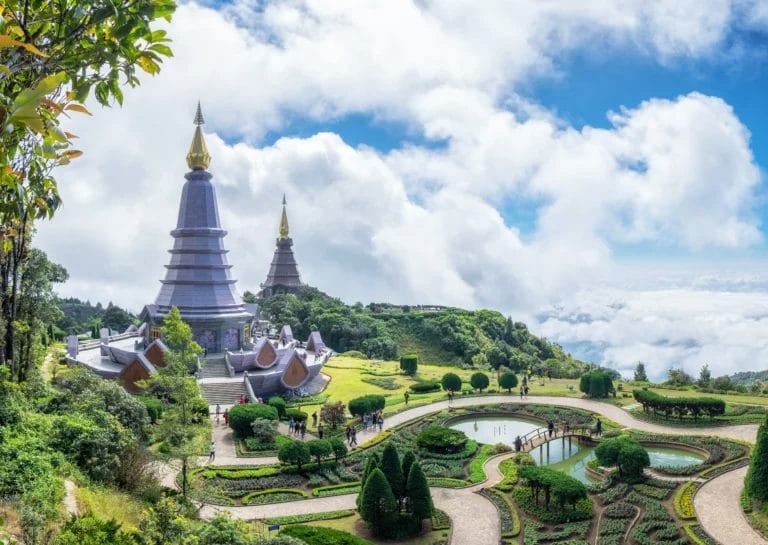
(621, 487)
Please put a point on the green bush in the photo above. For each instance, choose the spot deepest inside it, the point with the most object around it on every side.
(596, 384)
(479, 381)
(626, 454)
(425, 386)
(278, 403)
(565, 489)
(508, 381)
(409, 364)
(366, 404)
(296, 414)
(318, 535)
(679, 406)
(451, 381)
(439, 439)
(319, 448)
(757, 477)
(242, 416)
(154, 407)
(295, 452)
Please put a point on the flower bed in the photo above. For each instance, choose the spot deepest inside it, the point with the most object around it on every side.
(275, 495)
(684, 500)
(653, 491)
(574, 533)
(510, 522)
(525, 501)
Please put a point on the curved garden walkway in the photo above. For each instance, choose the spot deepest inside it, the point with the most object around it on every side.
(475, 519)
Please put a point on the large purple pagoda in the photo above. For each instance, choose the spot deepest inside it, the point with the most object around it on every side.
(198, 279)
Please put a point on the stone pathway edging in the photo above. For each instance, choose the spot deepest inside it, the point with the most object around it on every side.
(474, 518)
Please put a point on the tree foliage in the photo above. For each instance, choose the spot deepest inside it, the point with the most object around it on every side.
(378, 506)
(597, 384)
(451, 381)
(294, 452)
(333, 414)
(241, 417)
(319, 448)
(366, 404)
(679, 406)
(626, 454)
(640, 374)
(393, 470)
(757, 476)
(508, 380)
(87, 529)
(419, 498)
(409, 364)
(479, 381)
(565, 489)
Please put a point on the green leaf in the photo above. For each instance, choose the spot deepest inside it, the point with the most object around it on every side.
(162, 49)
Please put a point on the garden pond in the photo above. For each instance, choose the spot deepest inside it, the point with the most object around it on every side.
(563, 454)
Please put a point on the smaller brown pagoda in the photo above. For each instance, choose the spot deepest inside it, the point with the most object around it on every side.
(283, 276)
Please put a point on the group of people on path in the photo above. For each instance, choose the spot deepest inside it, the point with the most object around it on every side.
(297, 427)
(351, 434)
(373, 419)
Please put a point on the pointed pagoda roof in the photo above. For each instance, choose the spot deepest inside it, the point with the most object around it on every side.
(284, 271)
(198, 278)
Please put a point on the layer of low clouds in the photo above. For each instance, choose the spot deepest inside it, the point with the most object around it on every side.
(425, 223)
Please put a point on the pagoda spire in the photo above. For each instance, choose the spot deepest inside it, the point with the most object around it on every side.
(198, 157)
(283, 223)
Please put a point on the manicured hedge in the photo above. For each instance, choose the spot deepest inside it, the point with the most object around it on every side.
(317, 535)
(409, 364)
(278, 403)
(366, 404)
(296, 414)
(565, 489)
(679, 406)
(596, 384)
(242, 416)
(425, 386)
(439, 439)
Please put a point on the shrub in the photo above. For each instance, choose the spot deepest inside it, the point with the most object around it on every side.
(393, 470)
(596, 384)
(319, 448)
(279, 404)
(479, 381)
(242, 416)
(565, 489)
(417, 492)
(264, 431)
(366, 404)
(451, 381)
(439, 439)
(625, 453)
(679, 406)
(296, 414)
(339, 447)
(409, 364)
(154, 407)
(295, 452)
(425, 386)
(508, 381)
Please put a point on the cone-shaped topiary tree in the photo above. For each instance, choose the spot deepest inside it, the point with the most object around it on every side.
(371, 464)
(408, 458)
(417, 492)
(757, 477)
(393, 471)
(378, 506)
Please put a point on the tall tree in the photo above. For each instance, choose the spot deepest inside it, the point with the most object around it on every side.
(705, 377)
(378, 506)
(178, 337)
(53, 55)
(393, 470)
(757, 476)
(417, 492)
(640, 375)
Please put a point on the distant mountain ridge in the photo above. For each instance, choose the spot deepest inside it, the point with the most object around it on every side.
(748, 377)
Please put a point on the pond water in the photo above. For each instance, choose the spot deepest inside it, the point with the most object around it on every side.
(564, 455)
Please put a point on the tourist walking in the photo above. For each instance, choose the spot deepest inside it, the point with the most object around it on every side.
(518, 444)
(550, 428)
(406, 395)
(450, 398)
(226, 417)
(526, 391)
(381, 422)
(320, 431)
(599, 427)
(212, 455)
(303, 430)
(291, 424)
(353, 438)
(521, 392)
(348, 432)
(314, 419)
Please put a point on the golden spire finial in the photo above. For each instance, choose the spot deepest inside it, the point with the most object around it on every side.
(284, 222)
(198, 157)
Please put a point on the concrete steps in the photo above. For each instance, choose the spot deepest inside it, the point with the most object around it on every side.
(214, 368)
(224, 393)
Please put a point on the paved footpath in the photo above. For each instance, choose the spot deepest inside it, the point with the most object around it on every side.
(717, 505)
(474, 518)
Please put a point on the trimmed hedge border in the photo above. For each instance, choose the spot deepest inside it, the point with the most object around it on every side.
(336, 490)
(683, 501)
(446, 482)
(510, 521)
(311, 517)
(698, 535)
(299, 495)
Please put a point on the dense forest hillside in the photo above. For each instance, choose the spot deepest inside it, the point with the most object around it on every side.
(748, 377)
(449, 336)
(83, 317)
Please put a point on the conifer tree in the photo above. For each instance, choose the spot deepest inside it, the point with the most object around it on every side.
(757, 477)
(393, 471)
(408, 458)
(371, 464)
(417, 492)
(378, 506)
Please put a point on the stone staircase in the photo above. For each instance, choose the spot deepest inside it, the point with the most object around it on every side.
(214, 368)
(223, 392)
